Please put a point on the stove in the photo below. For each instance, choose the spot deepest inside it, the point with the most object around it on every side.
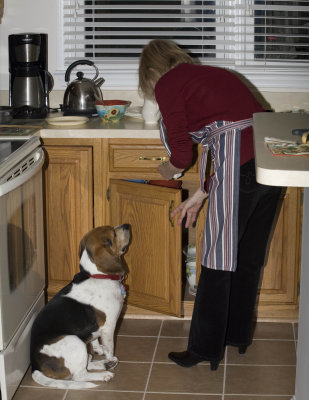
(17, 131)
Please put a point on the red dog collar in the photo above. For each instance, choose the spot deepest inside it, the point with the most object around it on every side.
(115, 277)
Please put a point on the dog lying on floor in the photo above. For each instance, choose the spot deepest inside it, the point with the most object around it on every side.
(83, 312)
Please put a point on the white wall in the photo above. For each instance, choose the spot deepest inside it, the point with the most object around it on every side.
(40, 16)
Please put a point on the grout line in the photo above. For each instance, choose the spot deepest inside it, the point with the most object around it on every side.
(152, 361)
(261, 365)
(203, 394)
(273, 340)
(295, 338)
(260, 395)
(224, 373)
(186, 337)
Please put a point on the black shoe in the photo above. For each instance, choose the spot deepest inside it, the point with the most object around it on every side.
(214, 365)
(185, 358)
(242, 349)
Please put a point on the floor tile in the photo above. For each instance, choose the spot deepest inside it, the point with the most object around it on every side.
(257, 380)
(166, 345)
(25, 393)
(176, 328)
(198, 379)
(138, 327)
(246, 397)
(296, 331)
(130, 348)
(264, 352)
(265, 372)
(273, 330)
(28, 381)
(128, 376)
(106, 395)
(160, 396)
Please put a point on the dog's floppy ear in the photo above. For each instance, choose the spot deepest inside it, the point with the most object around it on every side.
(108, 263)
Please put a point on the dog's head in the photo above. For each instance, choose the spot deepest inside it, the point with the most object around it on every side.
(102, 248)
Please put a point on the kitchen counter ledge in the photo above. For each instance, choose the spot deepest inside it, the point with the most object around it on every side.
(127, 127)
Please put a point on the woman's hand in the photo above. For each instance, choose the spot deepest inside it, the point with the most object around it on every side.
(191, 207)
(167, 170)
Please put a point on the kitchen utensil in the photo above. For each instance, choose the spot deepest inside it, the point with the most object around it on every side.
(112, 110)
(67, 120)
(81, 94)
(6, 114)
(169, 183)
(303, 133)
(150, 111)
(134, 112)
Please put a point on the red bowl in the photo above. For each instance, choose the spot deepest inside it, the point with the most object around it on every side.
(112, 102)
(171, 183)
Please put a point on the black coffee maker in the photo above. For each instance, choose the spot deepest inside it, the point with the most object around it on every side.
(30, 82)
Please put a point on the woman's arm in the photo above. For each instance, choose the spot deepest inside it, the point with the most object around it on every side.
(191, 207)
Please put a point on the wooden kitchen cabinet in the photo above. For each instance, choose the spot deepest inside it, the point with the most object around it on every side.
(88, 184)
(278, 296)
(138, 159)
(154, 255)
(69, 210)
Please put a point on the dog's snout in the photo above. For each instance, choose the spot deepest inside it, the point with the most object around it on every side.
(126, 226)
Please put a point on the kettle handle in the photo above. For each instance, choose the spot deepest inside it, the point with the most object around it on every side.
(80, 62)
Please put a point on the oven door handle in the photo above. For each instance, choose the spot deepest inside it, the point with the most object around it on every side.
(22, 172)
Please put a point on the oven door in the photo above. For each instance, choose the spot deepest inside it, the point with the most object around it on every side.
(22, 272)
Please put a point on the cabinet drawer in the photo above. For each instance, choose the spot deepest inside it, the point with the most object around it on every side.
(138, 158)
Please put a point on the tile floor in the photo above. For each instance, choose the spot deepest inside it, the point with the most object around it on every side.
(265, 372)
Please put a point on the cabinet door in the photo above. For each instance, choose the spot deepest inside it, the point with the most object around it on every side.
(69, 210)
(154, 255)
(279, 289)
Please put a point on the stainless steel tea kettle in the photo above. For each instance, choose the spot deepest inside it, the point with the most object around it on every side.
(81, 94)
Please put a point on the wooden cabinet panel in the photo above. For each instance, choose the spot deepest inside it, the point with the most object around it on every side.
(154, 255)
(69, 210)
(279, 288)
(138, 158)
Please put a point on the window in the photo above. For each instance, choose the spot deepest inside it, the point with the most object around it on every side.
(267, 41)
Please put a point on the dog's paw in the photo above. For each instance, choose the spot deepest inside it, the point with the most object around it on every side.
(107, 376)
(111, 363)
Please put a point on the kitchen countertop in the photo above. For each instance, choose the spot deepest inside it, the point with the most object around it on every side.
(279, 170)
(127, 127)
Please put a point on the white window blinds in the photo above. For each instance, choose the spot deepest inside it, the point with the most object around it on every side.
(237, 34)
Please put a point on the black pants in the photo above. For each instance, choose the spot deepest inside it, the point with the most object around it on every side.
(225, 301)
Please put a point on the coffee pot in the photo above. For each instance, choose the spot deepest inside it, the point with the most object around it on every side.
(30, 82)
(81, 94)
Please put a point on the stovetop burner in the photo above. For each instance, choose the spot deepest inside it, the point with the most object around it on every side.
(17, 132)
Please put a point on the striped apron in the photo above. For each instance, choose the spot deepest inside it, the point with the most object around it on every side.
(220, 240)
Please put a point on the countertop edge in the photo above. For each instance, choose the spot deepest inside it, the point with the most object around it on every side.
(98, 134)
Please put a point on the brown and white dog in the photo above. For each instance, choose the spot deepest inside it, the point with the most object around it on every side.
(85, 311)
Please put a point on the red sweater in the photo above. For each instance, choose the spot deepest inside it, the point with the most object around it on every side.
(191, 96)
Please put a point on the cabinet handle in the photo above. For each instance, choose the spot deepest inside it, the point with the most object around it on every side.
(152, 158)
(169, 213)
